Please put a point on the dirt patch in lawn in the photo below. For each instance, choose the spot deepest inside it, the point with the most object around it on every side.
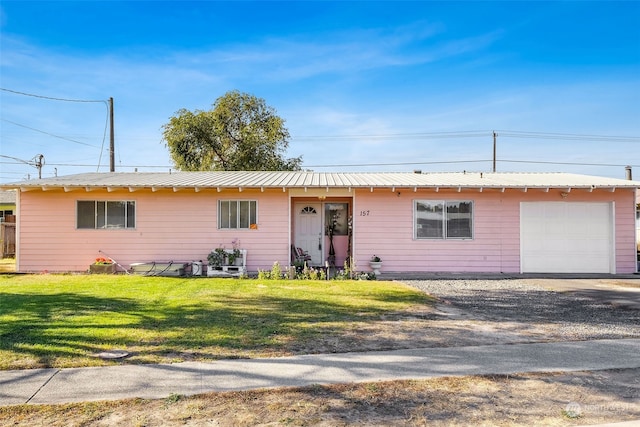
(520, 400)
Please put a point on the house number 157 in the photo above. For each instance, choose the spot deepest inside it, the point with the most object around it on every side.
(364, 213)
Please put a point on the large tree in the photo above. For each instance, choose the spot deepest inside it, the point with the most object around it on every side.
(240, 132)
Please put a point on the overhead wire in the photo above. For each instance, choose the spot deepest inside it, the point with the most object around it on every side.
(50, 97)
(397, 164)
(566, 163)
(421, 135)
(475, 134)
(104, 138)
(568, 137)
(470, 161)
(416, 135)
(371, 164)
(106, 125)
(48, 133)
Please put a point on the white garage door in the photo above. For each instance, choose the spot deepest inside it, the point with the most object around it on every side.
(565, 237)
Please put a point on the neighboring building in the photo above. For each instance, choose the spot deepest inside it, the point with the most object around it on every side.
(415, 222)
(7, 205)
(7, 223)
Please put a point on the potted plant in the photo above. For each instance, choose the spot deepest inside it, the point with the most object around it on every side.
(376, 264)
(299, 265)
(235, 257)
(217, 257)
(102, 266)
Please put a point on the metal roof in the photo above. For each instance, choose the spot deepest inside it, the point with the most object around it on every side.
(301, 179)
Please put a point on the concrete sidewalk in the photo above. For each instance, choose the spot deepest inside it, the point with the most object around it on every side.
(158, 381)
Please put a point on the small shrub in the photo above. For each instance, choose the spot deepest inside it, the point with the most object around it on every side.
(310, 273)
(364, 275)
(274, 274)
(346, 273)
(173, 398)
(290, 272)
(276, 271)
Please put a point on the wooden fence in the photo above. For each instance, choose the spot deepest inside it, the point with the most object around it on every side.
(7, 240)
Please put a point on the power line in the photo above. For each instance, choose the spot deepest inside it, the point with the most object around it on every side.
(421, 135)
(567, 163)
(475, 134)
(64, 100)
(468, 161)
(396, 164)
(370, 164)
(49, 134)
(51, 98)
(568, 137)
(37, 162)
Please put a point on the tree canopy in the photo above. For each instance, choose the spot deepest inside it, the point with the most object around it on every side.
(240, 132)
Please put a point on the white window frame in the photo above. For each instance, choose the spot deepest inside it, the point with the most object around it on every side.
(445, 234)
(252, 214)
(105, 219)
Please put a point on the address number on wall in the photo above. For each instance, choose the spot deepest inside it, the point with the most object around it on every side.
(364, 213)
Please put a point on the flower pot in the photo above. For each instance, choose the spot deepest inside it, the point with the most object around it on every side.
(375, 266)
(102, 268)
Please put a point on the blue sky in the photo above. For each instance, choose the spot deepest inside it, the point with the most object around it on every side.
(363, 86)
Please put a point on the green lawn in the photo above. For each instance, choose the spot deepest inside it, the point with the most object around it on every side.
(63, 320)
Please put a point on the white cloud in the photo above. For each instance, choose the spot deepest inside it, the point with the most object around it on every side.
(149, 87)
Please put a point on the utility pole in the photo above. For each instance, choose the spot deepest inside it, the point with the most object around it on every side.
(112, 156)
(494, 150)
(39, 162)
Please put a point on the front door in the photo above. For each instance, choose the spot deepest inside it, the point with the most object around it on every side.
(308, 231)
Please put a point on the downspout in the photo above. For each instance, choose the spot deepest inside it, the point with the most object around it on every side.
(629, 176)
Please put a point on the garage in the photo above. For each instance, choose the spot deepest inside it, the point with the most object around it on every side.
(566, 237)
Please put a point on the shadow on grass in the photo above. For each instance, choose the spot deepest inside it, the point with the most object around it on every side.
(67, 329)
(40, 327)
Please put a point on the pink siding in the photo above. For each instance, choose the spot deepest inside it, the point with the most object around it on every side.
(178, 226)
(626, 260)
(387, 230)
(182, 226)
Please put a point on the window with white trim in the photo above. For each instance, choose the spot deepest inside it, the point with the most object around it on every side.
(105, 214)
(237, 214)
(440, 219)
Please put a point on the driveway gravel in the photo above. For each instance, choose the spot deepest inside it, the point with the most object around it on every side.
(487, 312)
(521, 310)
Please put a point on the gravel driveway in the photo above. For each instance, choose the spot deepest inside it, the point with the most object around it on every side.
(504, 311)
(484, 312)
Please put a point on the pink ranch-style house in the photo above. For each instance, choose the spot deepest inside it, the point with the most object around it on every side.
(415, 222)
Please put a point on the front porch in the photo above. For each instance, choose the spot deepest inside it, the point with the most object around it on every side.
(321, 228)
